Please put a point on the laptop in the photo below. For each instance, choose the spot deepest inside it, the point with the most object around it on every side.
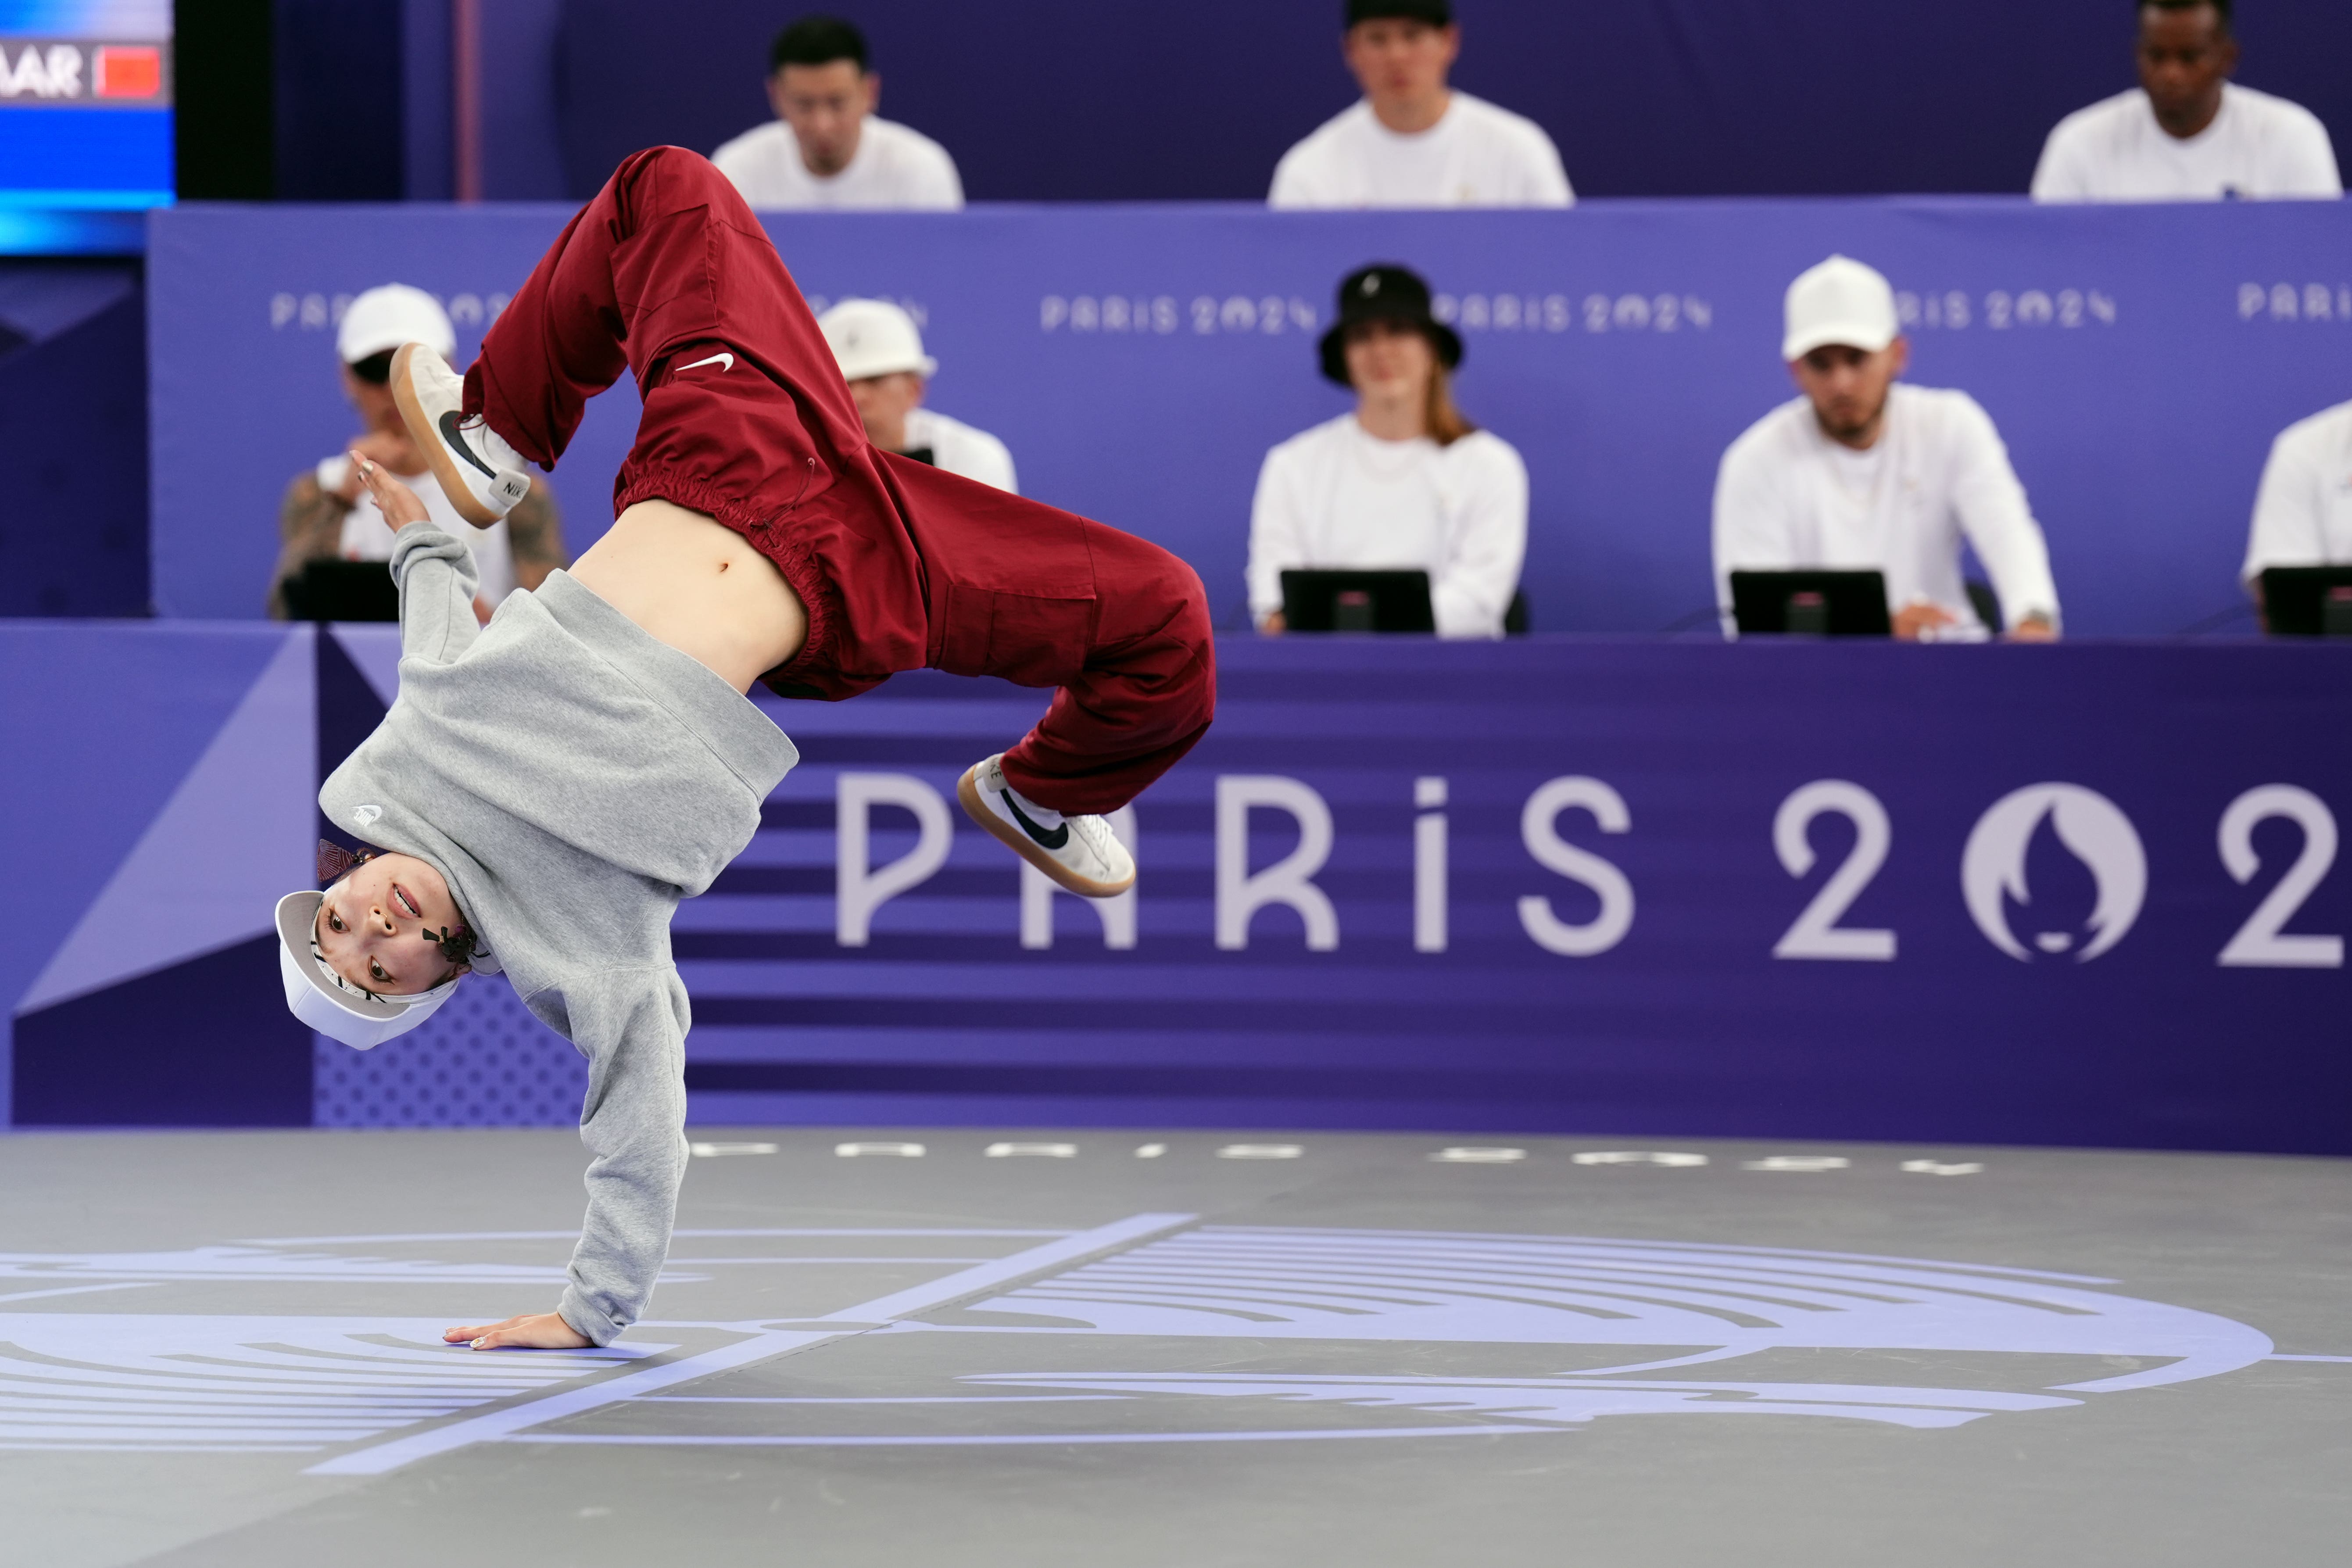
(2307, 601)
(343, 591)
(1357, 602)
(1810, 604)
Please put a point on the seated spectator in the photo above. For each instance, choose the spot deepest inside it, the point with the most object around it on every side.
(328, 515)
(826, 147)
(1863, 474)
(1404, 482)
(1411, 141)
(2187, 133)
(881, 356)
(2302, 514)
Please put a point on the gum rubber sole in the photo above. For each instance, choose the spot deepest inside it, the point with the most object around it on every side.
(1012, 838)
(446, 472)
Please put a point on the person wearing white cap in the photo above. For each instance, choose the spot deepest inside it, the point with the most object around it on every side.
(1864, 473)
(327, 514)
(880, 353)
(2188, 132)
(369, 906)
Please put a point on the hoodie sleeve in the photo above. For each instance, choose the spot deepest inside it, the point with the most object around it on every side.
(631, 1025)
(437, 577)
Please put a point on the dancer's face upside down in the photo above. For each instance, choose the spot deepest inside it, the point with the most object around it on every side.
(380, 926)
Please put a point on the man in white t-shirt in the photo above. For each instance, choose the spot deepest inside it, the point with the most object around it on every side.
(1863, 474)
(2187, 133)
(2302, 514)
(826, 147)
(1411, 141)
(327, 514)
(1403, 481)
(880, 353)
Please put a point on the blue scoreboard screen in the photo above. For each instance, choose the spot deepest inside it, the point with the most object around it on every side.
(85, 121)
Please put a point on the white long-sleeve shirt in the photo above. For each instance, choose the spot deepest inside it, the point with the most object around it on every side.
(2258, 145)
(894, 166)
(1788, 498)
(1476, 155)
(1337, 498)
(2302, 514)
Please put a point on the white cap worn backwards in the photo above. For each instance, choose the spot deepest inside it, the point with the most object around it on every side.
(874, 337)
(325, 1000)
(1842, 302)
(382, 318)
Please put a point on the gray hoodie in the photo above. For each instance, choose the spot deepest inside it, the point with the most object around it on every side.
(573, 779)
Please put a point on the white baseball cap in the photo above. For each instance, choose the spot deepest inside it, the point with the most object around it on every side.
(1840, 301)
(874, 337)
(384, 318)
(332, 1004)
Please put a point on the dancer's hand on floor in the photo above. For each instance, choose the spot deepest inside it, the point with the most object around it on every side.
(531, 1332)
(395, 500)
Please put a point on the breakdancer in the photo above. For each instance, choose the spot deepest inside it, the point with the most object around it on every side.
(548, 787)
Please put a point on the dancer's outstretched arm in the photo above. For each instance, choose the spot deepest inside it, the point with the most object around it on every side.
(437, 573)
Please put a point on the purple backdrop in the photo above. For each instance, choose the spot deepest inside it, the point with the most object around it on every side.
(2144, 948)
(1062, 99)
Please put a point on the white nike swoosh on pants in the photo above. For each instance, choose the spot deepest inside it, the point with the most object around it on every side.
(729, 362)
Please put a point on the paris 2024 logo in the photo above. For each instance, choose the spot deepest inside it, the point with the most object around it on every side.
(2093, 828)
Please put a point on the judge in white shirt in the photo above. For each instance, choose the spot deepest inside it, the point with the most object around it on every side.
(826, 147)
(1411, 141)
(1404, 482)
(1862, 473)
(2302, 514)
(328, 515)
(2187, 133)
(880, 353)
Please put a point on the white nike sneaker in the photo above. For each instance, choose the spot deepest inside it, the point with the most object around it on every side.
(1081, 853)
(481, 474)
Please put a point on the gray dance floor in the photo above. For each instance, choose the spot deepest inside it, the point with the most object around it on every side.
(1186, 1350)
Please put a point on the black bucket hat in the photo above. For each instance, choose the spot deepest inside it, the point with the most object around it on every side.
(1384, 292)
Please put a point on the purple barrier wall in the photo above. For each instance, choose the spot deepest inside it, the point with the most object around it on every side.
(2073, 895)
(1139, 362)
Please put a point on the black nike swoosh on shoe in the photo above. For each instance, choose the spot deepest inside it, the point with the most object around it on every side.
(449, 423)
(1053, 840)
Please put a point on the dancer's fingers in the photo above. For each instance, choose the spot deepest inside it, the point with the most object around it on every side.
(395, 500)
(455, 1336)
(533, 1331)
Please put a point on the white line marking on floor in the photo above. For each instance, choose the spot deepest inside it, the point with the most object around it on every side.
(1261, 1151)
(1478, 1156)
(1809, 1163)
(1675, 1159)
(1034, 1439)
(1937, 1168)
(1032, 1151)
(1151, 1150)
(897, 1150)
(760, 1345)
(878, 1399)
(719, 1151)
(869, 1259)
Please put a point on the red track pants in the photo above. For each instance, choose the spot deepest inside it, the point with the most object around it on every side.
(666, 274)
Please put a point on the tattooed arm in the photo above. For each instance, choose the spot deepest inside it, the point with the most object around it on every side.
(535, 536)
(310, 528)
